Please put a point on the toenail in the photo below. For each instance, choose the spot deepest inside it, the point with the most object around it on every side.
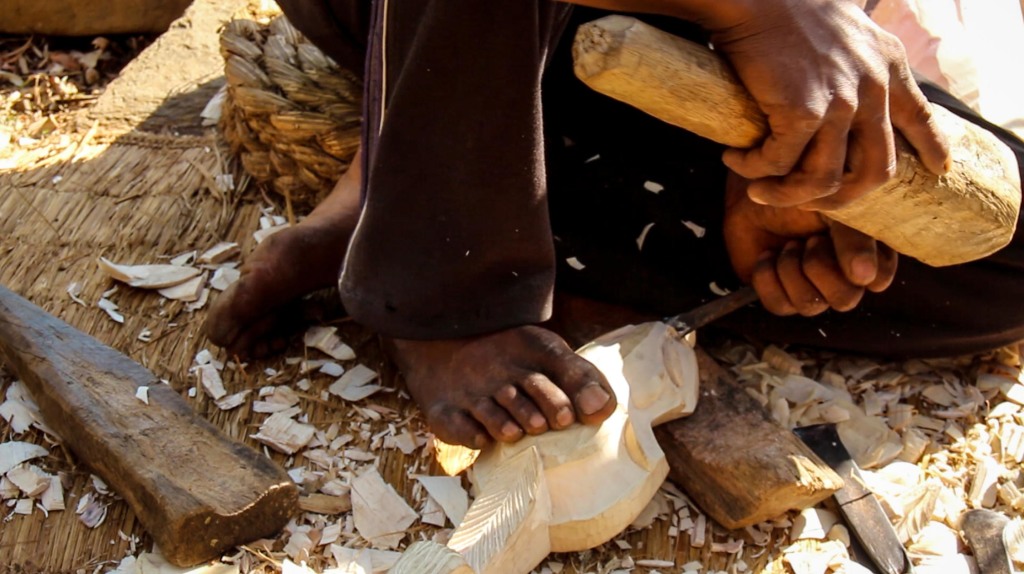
(537, 421)
(511, 429)
(565, 417)
(592, 399)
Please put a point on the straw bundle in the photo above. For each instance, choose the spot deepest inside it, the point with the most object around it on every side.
(291, 114)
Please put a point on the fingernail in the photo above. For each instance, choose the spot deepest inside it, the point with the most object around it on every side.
(480, 441)
(863, 269)
(565, 417)
(756, 198)
(592, 399)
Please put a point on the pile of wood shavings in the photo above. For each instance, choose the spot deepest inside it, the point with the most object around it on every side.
(30, 479)
(935, 438)
(43, 79)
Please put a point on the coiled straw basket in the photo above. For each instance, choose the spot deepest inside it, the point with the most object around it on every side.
(290, 113)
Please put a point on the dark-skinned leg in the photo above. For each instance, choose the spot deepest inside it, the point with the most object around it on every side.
(452, 258)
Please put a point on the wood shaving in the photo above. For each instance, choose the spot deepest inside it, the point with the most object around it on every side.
(18, 414)
(91, 511)
(299, 546)
(220, 253)
(223, 277)
(147, 276)
(453, 459)
(643, 236)
(283, 434)
(380, 560)
(53, 497)
(813, 524)
(325, 504)
(326, 340)
(187, 291)
(74, 291)
(653, 187)
(380, 514)
(199, 303)
(447, 491)
(30, 480)
(110, 308)
(24, 506)
(8, 489)
(354, 384)
(698, 230)
(332, 369)
(228, 402)
(183, 259)
(209, 378)
(14, 453)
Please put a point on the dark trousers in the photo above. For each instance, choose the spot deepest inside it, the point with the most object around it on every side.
(489, 167)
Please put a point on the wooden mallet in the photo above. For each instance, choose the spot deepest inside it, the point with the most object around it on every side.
(962, 216)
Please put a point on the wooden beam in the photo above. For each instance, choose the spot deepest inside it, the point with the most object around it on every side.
(735, 461)
(197, 492)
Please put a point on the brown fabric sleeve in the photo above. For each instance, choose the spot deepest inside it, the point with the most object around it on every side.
(454, 239)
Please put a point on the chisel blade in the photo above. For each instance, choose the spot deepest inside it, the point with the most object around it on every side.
(696, 318)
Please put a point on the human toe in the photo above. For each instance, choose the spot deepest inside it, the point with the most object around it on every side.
(550, 399)
(584, 383)
(522, 408)
(455, 426)
(498, 422)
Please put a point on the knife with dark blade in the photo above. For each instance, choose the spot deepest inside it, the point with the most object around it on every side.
(863, 514)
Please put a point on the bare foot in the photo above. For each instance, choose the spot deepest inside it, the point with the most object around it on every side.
(255, 315)
(500, 386)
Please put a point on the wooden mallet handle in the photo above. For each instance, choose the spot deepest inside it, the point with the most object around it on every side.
(962, 216)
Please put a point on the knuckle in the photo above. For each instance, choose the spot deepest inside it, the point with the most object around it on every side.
(818, 269)
(893, 46)
(844, 105)
(807, 118)
(872, 176)
(922, 113)
(777, 166)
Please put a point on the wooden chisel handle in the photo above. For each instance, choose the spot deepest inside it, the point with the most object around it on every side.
(962, 216)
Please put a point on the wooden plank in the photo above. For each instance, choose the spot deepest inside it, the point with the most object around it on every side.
(735, 461)
(197, 492)
(962, 216)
